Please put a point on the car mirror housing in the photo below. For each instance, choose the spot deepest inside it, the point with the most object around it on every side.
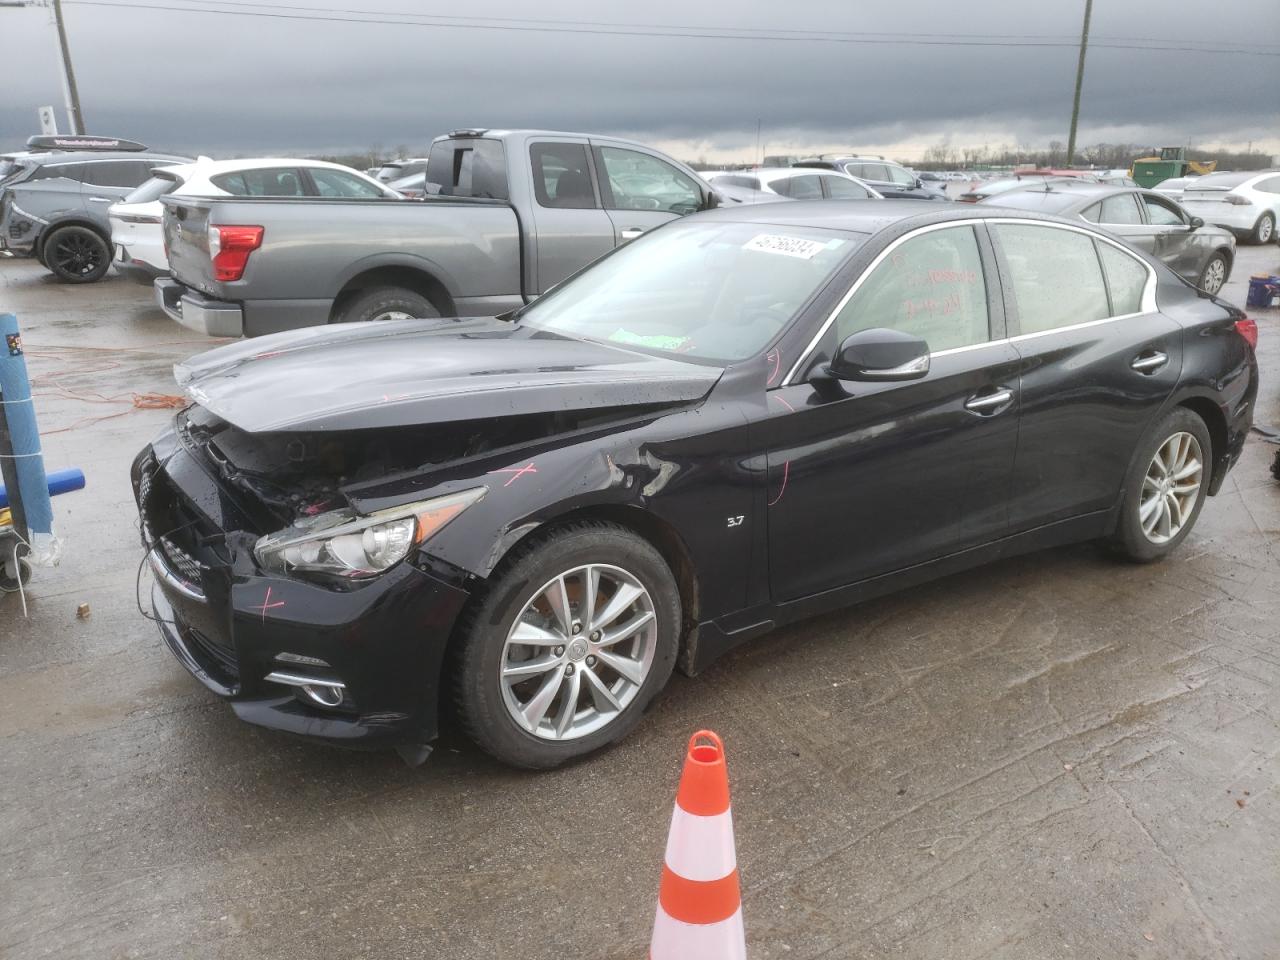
(1196, 223)
(881, 354)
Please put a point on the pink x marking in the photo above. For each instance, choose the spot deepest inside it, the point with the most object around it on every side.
(268, 605)
(516, 472)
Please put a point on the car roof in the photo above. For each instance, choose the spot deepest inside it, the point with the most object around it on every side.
(865, 216)
(48, 158)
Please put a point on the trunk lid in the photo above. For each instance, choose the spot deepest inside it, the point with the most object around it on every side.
(416, 372)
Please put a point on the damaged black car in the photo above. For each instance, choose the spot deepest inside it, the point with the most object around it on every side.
(743, 418)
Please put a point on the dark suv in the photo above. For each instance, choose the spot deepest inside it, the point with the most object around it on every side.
(53, 202)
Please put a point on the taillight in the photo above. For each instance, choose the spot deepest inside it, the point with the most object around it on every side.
(1249, 330)
(230, 246)
(1236, 200)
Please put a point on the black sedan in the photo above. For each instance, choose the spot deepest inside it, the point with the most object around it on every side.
(1201, 253)
(744, 418)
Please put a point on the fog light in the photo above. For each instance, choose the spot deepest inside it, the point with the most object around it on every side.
(324, 693)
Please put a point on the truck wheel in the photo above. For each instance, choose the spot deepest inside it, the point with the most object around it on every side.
(76, 255)
(570, 640)
(385, 303)
(1264, 229)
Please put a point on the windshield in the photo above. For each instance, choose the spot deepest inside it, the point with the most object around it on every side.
(711, 290)
(152, 189)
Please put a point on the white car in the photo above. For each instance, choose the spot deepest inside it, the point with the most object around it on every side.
(1173, 187)
(1247, 204)
(136, 233)
(796, 183)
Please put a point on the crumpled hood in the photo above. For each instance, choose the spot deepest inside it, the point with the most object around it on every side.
(408, 372)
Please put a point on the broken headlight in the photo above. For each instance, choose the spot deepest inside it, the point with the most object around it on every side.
(340, 543)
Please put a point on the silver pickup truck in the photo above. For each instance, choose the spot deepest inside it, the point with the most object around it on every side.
(517, 212)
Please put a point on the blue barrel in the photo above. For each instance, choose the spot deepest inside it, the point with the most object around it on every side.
(1264, 291)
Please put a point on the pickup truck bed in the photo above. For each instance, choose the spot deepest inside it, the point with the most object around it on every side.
(323, 245)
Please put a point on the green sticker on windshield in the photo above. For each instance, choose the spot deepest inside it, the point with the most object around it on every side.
(657, 342)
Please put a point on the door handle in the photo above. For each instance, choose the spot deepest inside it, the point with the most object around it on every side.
(988, 402)
(102, 199)
(1149, 362)
(631, 233)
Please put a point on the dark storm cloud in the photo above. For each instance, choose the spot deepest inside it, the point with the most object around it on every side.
(228, 84)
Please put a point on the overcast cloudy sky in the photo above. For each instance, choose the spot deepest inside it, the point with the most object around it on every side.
(226, 83)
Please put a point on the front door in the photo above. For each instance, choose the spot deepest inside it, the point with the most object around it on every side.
(641, 191)
(894, 474)
(1098, 362)
(570, 226)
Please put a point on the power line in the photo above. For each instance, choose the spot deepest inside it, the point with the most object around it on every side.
(768, 32)
(707, 33)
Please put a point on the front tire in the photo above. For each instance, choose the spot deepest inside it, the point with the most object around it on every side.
(573, 637)
(1215, 273)
(385, 303)
(1264, 230)
(1165, 488)
(76, 255)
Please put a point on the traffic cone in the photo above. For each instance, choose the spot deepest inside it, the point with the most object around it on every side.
(699, 913)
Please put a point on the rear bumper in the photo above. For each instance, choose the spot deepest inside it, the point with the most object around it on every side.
(139, 272)
(214, 318)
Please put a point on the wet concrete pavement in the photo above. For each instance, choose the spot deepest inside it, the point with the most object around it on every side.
(1056, 756)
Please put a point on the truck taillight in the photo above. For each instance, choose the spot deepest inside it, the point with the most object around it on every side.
(1249, 330)
(229, 247)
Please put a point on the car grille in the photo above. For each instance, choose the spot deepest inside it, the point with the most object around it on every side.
(169, 526)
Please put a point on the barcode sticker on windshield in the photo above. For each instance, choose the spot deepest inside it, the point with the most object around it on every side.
(787, 246)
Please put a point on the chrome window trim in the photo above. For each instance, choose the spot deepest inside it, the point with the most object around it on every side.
(1148, 292)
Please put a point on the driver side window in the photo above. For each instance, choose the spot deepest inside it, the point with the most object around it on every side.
(930, 286)
(637, 181)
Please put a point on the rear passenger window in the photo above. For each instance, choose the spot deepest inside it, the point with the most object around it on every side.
(1055, 275)
(803, 188)
(931, 286)
(841, 189)
(116, 173)
(271, 182)
(1119, 210)
(561, 176)
(1126, 279)
(339, 183)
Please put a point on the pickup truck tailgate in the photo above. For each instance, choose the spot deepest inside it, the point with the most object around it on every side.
(186, 235)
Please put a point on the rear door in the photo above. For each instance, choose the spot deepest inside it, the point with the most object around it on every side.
(641, 190)
(895, 474)
(569, 223)
(107, 181)
(1098, 362)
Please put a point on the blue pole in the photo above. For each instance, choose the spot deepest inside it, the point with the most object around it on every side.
(20, 416)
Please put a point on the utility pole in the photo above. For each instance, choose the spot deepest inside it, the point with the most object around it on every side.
(76, 116)
(1075, 106)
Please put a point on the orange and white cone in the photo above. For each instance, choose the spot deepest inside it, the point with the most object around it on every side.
(699, 904)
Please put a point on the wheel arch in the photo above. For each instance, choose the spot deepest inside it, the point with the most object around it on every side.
(422, 277)
(85, 222)
(1215, 422)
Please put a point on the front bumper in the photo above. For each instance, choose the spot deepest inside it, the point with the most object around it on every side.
(379, 644)
(214, 318)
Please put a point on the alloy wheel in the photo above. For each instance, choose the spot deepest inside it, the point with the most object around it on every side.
(1215, 275)
(579, 652)
(1265, 228)
(77, 255)
(392, 315)
(1171, 487)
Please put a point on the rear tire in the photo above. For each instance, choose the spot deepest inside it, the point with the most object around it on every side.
(1159, 507)
(1264, 231)
(76, 254)
(1215, 273)
(385, 303)
(496, 678)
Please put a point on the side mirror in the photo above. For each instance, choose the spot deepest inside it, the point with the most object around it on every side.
(1196, 223)
(710, 200)
(880, 354)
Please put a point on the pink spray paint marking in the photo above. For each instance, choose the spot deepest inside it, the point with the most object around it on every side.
(783, 400)
(268, 605)
(516, 472)
(775, 358)
(786, 473)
